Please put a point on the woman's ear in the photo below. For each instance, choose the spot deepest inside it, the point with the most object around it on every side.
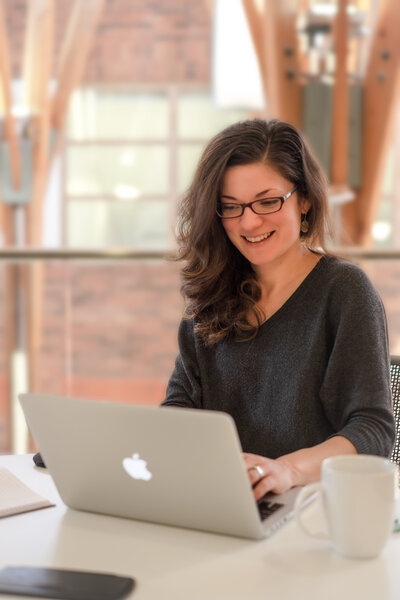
(305, 205)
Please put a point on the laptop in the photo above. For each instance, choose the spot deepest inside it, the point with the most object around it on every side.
(175, 466)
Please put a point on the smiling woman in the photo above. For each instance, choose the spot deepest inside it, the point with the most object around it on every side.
(252, 160)
(287, 339)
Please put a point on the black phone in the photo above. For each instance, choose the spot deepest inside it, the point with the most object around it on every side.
(38, 460)
(64, 584)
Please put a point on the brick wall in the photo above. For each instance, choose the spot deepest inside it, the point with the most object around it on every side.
(109, 329)
(135, 41)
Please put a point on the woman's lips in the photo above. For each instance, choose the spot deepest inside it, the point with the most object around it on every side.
(258, 238)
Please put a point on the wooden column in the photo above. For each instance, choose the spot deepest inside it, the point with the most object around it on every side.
(7, 223)
(74, 52)
(340, 124)
(275, 40)
(37, 72)
(381, 96)
(50, 116)
(10, 133)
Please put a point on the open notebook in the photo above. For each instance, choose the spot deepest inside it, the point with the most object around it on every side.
(16, 497)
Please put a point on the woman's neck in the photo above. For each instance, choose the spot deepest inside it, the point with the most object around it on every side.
(279, 281)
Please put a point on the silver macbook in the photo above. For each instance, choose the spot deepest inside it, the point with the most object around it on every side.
(174, 466)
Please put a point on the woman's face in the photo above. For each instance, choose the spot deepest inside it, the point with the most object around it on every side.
(262, 239)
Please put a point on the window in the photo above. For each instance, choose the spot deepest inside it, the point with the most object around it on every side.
(129, 155)
(386, 229)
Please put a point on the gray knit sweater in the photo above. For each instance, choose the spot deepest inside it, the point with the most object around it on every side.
(318, 367)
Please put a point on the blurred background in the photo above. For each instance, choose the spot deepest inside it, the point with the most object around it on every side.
(105, 106)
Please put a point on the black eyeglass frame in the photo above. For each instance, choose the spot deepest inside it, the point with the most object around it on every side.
(250, 205)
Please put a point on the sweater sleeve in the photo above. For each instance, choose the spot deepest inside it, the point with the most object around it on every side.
(356, 391)
(184, 386)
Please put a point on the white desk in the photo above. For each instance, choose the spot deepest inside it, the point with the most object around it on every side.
(178, 564)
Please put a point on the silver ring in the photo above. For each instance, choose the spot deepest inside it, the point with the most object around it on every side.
(258, 469)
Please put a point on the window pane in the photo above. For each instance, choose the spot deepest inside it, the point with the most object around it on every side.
(143, 225)
(117, 115)
(121, 171)
(199, 118)
(188, 157)
(389, 177)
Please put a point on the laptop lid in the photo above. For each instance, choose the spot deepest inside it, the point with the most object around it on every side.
(174, 466)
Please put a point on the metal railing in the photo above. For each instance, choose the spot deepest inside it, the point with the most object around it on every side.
(15, 254)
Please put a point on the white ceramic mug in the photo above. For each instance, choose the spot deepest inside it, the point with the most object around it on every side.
(359, 496)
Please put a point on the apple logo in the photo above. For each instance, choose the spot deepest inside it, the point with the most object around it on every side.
(137, 467)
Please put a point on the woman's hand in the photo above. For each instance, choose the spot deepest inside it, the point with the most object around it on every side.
(297, 468)
(268, 475)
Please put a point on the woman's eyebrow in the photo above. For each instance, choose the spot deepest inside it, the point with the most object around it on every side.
(256, 196)
(229, 197)
(263, 192)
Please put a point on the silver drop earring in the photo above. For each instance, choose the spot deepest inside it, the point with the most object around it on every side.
(304, 226)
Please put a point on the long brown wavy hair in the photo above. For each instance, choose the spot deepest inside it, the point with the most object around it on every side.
(219, 285)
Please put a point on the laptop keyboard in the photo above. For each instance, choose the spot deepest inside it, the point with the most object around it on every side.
(267, 507)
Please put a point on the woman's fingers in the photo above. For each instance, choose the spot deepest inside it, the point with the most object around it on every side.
(266, 475)
(264, 486)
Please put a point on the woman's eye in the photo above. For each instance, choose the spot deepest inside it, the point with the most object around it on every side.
(226, 208)
(268, 201)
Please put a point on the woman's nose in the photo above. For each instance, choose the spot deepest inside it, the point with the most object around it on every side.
(249, 218)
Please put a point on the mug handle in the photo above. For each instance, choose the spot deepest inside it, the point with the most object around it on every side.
(301, 499)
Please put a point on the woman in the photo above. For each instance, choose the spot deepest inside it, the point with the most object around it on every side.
(290, 341)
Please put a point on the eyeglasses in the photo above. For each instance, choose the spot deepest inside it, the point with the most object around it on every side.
(265, 206)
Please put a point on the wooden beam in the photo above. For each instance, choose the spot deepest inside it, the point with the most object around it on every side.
(77, 43)
(281, 60)
(38, 52)
(37, 75)
(381, 96)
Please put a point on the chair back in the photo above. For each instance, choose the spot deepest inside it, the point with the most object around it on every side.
(395, 382)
